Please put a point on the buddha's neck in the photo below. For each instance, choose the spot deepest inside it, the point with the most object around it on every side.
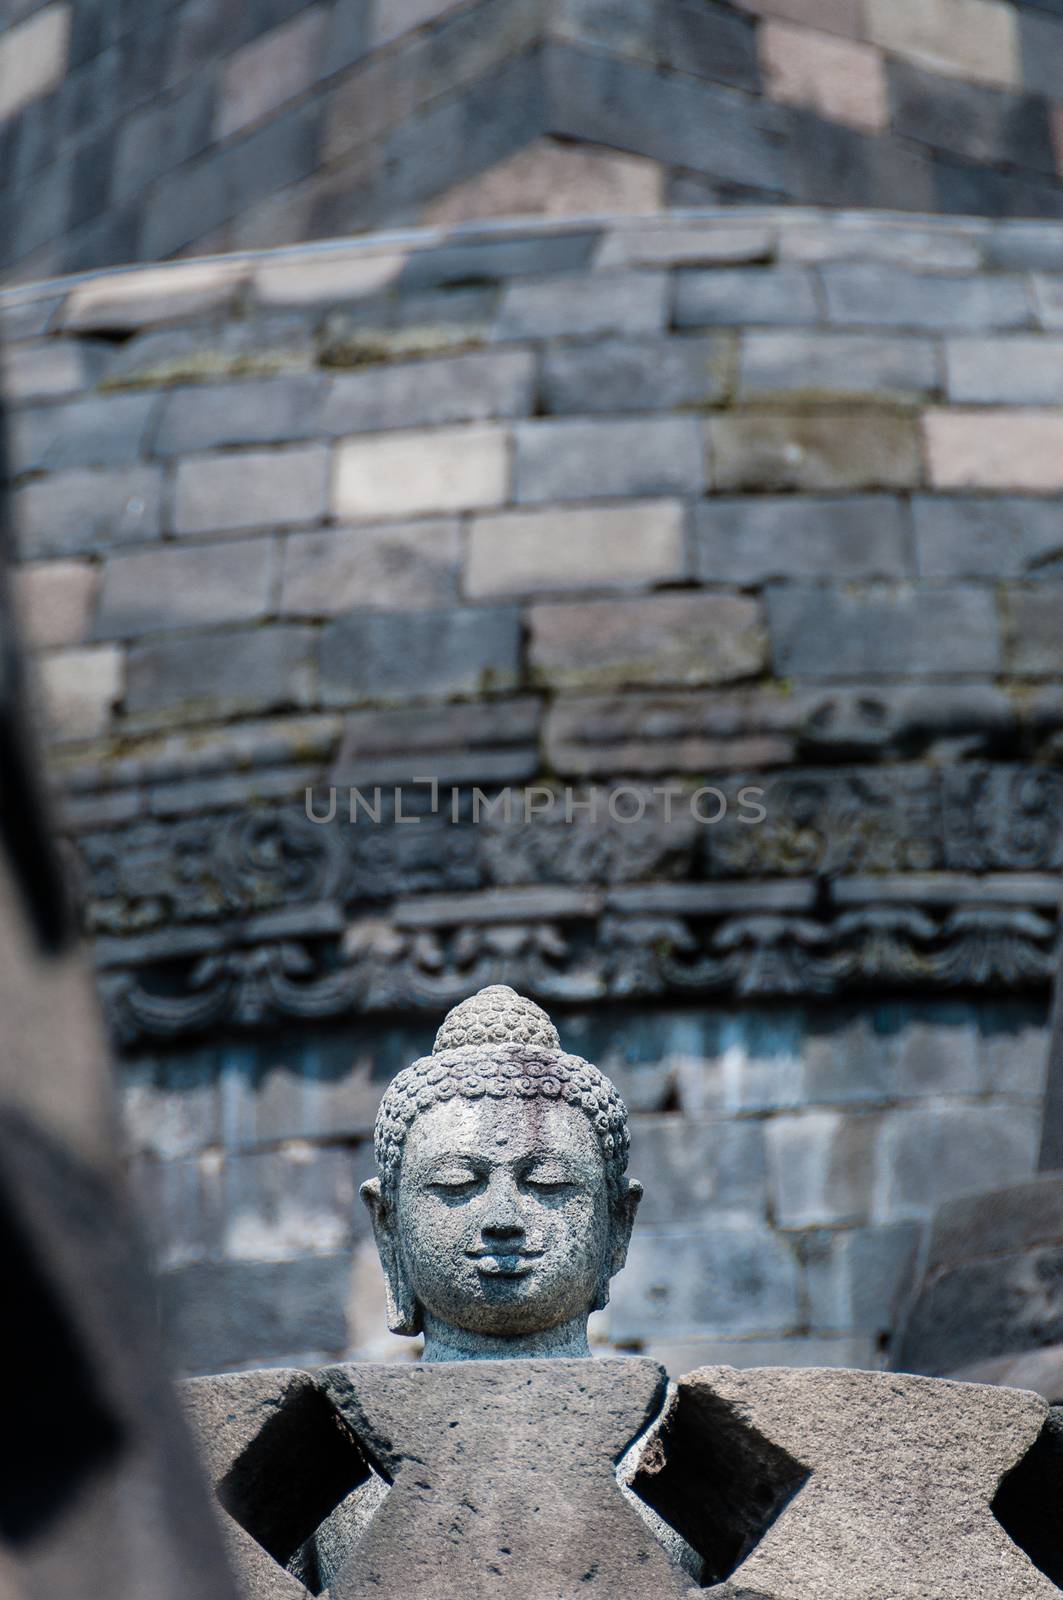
(444, 1342)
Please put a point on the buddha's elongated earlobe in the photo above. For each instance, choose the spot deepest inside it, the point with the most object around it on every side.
(622, 1220)
(404, 1314)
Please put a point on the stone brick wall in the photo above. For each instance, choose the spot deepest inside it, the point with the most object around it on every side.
(140, 131)
(713, 502)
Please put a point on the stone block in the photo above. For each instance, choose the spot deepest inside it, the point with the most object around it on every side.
(663, 639)
(834, 77)
(873, 295)
(578, 460)
(623, 30)
(252, 347)
(28, 313)
(406, 474)
(1034, 639)
(335, 277)
(395, 567)
(825, 368)
(684, 732)
(984, 537)
(700, 1168)
(97, 431)
(156, 591)
(218, 1315)
(1041, 41)
(999, 450)
(74, 512)
(161, 135)
(976, 39)
(494, 259)
(434, 655)
(971, 120)
(1005, 372)
(846, 1527)
(476, 387)
(925, 1157)
(205, 677)
(589, 306)
(834, 165)
(883, 631)
(744, 297)
(832, 16)
(251, 489)
(529, 552)
(709, 1280)
(79, 690)
(708, 41)
(859, 1278)
(820, 1167)
(666, 374)
(460, 743)
(670, 117)
(688, 242)
(170, 1105)
(924, 244)
(214, 416)
(33, 57)
(261, 76)
(750, 540)
(855, 449)
(48, 369)
(148, 296)
(55, 601)
(396, 17)
(552, 179)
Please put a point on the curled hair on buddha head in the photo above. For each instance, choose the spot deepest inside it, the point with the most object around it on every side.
(500, 1045)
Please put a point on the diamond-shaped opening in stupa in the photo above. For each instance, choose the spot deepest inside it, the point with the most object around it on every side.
(717, 1481)
(304, 1488)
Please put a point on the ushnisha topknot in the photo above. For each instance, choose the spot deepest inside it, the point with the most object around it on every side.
(498, 1043)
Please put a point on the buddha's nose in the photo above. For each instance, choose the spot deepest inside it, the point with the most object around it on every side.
(502, 1218)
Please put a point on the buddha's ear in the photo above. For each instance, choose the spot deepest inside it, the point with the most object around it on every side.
(404, 1314)
(622, 1220)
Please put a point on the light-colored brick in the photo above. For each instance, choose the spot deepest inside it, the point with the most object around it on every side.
(397, 567)
(854, 449)
(79, 689)
(120, 301)
(1017, 371)
(55, 601)
(43, 370)
(262, 75)
(662, 639)
(551, 179)
(577, 460)
(976, 39)
(333, 276)
(834, 77)
(406, 474)
(33, 57)
(185, 586)
(71, 512)
(525, 552)
(1020, 450)
(252, 489)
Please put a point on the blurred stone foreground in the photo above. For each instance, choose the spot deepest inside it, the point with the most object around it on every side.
(539, 484)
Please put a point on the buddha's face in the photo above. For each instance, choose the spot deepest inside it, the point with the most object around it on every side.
(503, 1214)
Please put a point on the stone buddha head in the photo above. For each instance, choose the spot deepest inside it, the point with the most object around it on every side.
(502, 1207)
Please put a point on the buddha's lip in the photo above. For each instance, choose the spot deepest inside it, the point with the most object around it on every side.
(504, 1263)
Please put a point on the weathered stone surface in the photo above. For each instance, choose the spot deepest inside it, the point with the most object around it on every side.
(433, 655)
(872, 295)
(638, 374)
(968, 536)
(709, 1278)
(79, 689)
(677, 639)
(215, 1313)
(782, 294)
(819, 1164)
(452, 743)
(154, 591)
(55, 601)
(884, 631)
(219, 673)
(395, 566)
(270, 70)
(1014, 372)
(97, 431)
(1034, 643)
(855, 449)
(995, 450)
(927, 1158)
(975, 39)
(529, 552)
(45, 370)
(476, 387)
(825, 368)
(837, 78)
(251, 489)
(588, 306)
(576, 460)
(849, 1532)
(747, 541)
(150, 296)
(406, 474)
(553, 179)
(483, 1427)
(213, 416)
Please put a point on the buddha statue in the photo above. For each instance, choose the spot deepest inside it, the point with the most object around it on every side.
(501, 1209)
